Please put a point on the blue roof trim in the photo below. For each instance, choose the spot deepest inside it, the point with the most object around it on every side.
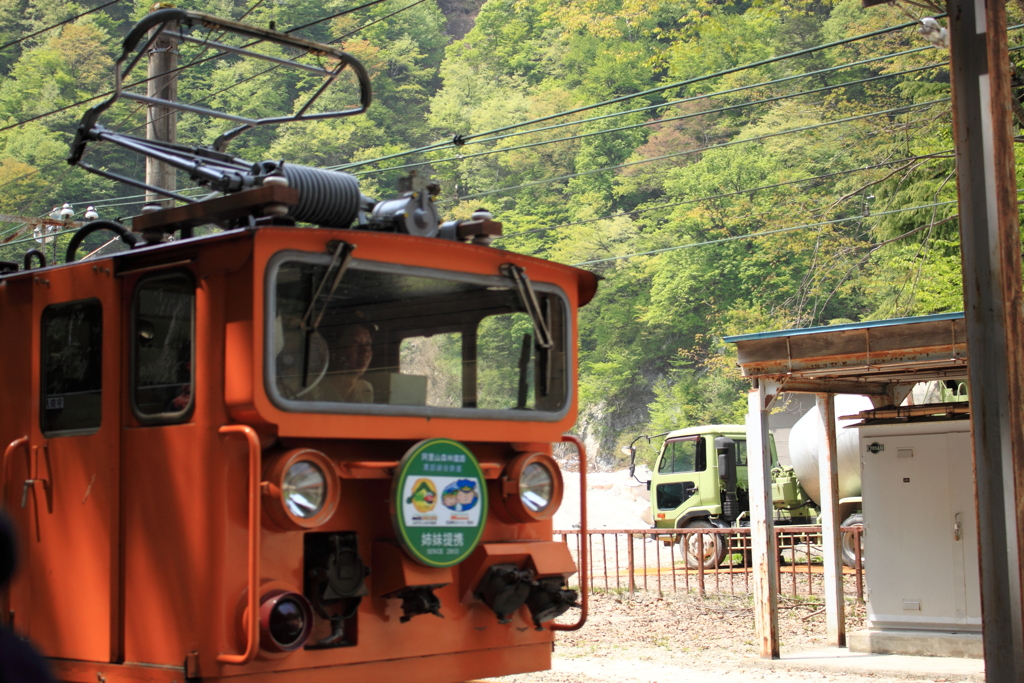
(847, 326)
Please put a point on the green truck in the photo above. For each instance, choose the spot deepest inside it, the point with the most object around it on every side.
(699, 481)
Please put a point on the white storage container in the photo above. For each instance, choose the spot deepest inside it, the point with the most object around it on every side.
(921, 540)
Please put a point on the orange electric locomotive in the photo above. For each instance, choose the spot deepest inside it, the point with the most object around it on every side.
(278, 452)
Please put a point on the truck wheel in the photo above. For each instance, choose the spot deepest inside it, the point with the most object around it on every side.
(848, 542)
(714, 545)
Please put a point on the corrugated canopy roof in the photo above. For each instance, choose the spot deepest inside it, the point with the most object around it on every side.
(858, 358)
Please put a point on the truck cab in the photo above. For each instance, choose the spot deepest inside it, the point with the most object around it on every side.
(686, 483)
(700, 481)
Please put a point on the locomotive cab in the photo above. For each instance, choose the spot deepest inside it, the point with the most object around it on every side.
(345, 433)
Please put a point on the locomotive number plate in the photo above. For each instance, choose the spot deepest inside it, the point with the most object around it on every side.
(439, 502)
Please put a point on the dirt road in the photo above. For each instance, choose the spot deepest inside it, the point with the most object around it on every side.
(682, 639)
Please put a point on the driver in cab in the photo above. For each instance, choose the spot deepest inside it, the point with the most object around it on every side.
(350, 354)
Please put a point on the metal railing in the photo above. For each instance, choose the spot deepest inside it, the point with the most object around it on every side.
(665, 560)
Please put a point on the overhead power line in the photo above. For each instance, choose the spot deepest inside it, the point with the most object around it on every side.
(58, 24)
(685, 100)
(749, 190)
(763, 233)
(376, 21)
(697, 150)
(459, 140)
(655, 122)
(334, 16)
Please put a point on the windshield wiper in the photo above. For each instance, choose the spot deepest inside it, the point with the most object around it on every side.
(529, 300)
(339, 264)
(311, 320)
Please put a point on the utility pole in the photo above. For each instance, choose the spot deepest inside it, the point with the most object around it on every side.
(161, 121)
(986, 181)
(990, 248)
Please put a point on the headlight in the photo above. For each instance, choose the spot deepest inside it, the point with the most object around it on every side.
(286, 620)
(301, 489)
(304, 489)
(532, 488)
(536, 486)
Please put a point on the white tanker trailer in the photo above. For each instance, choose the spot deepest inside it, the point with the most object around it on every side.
(807, 448)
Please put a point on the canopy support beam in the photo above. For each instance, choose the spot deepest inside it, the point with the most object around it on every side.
(828, 479)
(762, 524)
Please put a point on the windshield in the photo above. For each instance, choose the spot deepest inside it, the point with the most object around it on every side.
(399, 340)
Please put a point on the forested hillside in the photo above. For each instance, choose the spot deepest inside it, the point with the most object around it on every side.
(727, 167)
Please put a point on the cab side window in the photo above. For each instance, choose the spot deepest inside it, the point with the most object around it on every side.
(741, 452)
(72, 355)
(163, 346)
(683, 455)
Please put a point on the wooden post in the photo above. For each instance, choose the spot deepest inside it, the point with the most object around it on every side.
(162, 122)
(994, 316)
(828, 478)
(762, 523)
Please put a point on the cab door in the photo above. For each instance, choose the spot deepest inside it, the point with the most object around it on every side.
(71, 492)
(680, 473)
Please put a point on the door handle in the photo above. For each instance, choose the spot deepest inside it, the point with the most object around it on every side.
(29, 483)
(957, 527)
(8, 452)
(34, 477)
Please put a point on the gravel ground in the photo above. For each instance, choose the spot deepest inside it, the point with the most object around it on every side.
(680, 638)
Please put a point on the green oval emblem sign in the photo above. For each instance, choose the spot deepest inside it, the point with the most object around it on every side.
(439, 502)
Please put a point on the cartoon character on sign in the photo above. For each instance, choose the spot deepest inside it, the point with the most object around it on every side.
(424, 495)
(460, 495)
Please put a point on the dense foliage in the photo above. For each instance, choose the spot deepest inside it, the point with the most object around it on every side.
(803, 191)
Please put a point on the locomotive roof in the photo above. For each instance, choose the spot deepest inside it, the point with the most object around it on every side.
(191, 248)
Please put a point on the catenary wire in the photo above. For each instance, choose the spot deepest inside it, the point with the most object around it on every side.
(335, 15)
(729, 143)
(672, 103)
(644, 93)
(763, 233)
(644, 209)
(654, 122)
(58, 24)
(647, 92)
(352, 165)
(717, 146)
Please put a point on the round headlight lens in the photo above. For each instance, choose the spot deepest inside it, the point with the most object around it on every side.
(304, 489)
(287, 623)
(286, 620)
(535, 487)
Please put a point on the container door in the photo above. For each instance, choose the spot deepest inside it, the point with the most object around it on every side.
(965, 530)
(71, 495)
(916, 559)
